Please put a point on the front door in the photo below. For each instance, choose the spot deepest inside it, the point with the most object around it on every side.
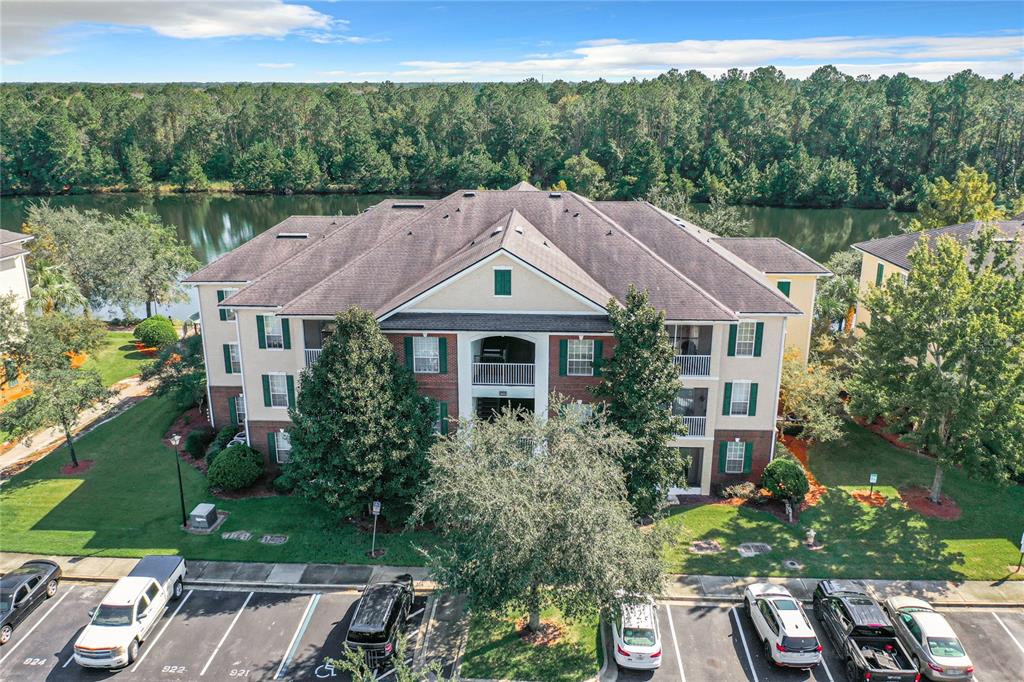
(693, 474)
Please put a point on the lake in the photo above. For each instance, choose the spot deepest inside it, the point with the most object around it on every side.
(217, 223)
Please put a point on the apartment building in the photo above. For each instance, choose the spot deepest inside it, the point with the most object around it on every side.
(499, 297)
(13, 280)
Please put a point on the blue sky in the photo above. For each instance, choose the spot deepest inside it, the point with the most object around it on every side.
(274, 40)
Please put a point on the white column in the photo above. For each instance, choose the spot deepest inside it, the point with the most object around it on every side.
(541, 348)
(707, 460)
(465, 361)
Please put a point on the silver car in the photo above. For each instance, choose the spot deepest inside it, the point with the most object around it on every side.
(935, 648)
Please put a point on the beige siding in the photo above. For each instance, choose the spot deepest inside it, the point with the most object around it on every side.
(216, 333)
(764, 371)
(868, 272)
(530, 292)
(14, 279)
(802, 292)
(258, 361)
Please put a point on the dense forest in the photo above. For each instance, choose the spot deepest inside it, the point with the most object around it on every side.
(751, 138)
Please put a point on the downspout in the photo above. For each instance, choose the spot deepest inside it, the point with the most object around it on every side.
(206, 364)
(778, 390)
(241, 361)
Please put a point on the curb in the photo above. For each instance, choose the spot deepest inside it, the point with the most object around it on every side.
(711, 600)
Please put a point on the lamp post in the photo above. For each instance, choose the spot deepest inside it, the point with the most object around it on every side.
(175, 440)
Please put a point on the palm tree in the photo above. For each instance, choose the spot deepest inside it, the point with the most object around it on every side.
(52, 288)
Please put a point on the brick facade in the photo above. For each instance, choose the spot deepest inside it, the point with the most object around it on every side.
(441, 387)
(574, 387)
(220, 411)
(258, 431)
(761, 455)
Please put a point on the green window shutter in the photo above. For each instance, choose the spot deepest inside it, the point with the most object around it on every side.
(598, 357)
(784, 287)
(879, 272)
(227, 358)
(261, 330)
(286, 332)
(221, 295)
(442, 353)
(723, 447)
(563, 357)
(732, 340)
(408, 353)
(752, 405)
(232, 411)
(748, 457)
(291, 391)
(502, 282)
(727, 399)
(443, 409)
(758, 338)
(266, 390)
(272, 446)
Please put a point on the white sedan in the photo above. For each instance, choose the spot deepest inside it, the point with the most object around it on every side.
(782, 626)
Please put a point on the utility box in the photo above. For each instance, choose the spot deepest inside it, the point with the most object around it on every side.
(203, 517)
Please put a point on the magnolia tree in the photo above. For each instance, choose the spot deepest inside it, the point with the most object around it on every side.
(532, 512)
(944, 356)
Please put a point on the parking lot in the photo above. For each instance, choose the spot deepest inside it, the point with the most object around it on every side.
(719, 644)
(208, 634)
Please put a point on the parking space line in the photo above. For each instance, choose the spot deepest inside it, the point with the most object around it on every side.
(156, 639)
(226, 633)
(675, 642)
(743, 640)
(300, 629)
(1003, 625)
(37, 624)
(67, 662)
(824, 664)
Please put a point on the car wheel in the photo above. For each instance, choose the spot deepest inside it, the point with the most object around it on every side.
(746, 606)
(768, 652)
(133, 651)
(851, 671)
(177, 590)
(51, 588)
(5, 634)
(916, 662)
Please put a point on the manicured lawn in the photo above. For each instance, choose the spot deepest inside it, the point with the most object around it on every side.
(117, 359)
(127, 505)
(885, 542)
(496, 651)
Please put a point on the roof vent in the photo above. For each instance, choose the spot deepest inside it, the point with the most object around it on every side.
(292, 235)
(446, 216)
(469, 194)
(555, 195)
(576, 214)
(497, 230)
(407, 205)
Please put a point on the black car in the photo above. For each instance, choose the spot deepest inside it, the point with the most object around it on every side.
(380, 619)
(22, 590)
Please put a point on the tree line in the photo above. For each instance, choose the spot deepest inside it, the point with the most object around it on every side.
(746, 137)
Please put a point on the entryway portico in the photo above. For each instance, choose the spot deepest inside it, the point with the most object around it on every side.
(502, 365)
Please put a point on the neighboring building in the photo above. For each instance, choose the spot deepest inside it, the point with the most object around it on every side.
(13, 279)
(495, 297)
(886, 257)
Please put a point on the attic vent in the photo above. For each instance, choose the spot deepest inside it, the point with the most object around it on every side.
(497, 230)
(292, 235)
(407, 205)
(469, 194)
(576, 215)
(555, 195)
(519, 230)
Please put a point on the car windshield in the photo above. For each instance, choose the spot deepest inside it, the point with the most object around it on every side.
(786, 605)
(949, 647)
(112, 615)
(639, 637)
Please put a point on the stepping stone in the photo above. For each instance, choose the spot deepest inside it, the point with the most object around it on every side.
(274, 539)
(752, 549)
(241, 535)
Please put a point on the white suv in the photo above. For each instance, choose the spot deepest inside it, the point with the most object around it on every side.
(635, 631)
(782, 626)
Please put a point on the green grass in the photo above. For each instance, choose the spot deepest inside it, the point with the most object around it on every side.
(495, 650)
(127, 505)
(885, 542)
(117, 359)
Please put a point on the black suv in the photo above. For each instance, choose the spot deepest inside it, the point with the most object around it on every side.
(380, 618)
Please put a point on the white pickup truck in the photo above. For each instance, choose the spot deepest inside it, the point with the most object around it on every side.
(129, 613)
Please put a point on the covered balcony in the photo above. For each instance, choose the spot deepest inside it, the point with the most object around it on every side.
(316, 333)
(692, 346)
(503, 361)
(691, 405)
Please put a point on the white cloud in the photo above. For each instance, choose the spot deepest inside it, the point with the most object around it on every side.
(35, 28)
(272, 65)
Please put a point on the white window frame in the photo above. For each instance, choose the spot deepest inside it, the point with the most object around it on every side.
(580, 352)
(229, 313)
(273, 328)
(743, 330)
(426, 355)
(236, 358)
(735, 453)
(509, 268)
(733, 402)
(279, 438)
(240, 407)
(284, 380)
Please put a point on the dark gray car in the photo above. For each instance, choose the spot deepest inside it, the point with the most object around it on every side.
(24, 589)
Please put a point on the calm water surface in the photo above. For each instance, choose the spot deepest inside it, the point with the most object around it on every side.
(217, 223)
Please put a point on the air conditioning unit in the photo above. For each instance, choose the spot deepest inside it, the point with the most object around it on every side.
(203, 517)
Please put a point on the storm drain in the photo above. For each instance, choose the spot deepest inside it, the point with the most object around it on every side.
(240, 535)
(793, 565)
(274, 539)
(752, 549)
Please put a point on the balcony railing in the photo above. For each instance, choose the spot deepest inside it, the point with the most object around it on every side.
(312, 355)
(696, 427)
(693, 365)
(503, 374)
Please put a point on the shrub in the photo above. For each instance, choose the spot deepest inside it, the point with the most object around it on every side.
(741, 491)
(220, 441)
(196, 442)
(156, 332)
(284, 484)
(785, 479)
(237, 467)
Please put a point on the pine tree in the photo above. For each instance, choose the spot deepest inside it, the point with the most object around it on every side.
(361, 429)
(640, 382)
(137, 172)
(967, 197)
(188, 173)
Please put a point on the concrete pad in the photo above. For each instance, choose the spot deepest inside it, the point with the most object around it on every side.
(89, 566)
(385, 573)
(319, 574)
(220, 570)
(795, 586)
(992, 593)
(286, 573)
(723, 586)
(683, 586)
(253, 572)
(194, 569)
(347, 574)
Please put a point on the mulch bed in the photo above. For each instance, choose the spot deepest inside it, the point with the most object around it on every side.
(799, 449)
(188, 421)
(83, 466)
(871, 499)
(919, 499)
(548, 634)
(880, 429)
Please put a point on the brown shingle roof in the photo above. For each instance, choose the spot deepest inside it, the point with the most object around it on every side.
(895, 249)
(772, 255)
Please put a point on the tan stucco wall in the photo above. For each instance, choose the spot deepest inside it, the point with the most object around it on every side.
(868, 269)
(475, 291)
(764, 371)
(14, 279)
(216, 333)
(802, 291)
(256, 362)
